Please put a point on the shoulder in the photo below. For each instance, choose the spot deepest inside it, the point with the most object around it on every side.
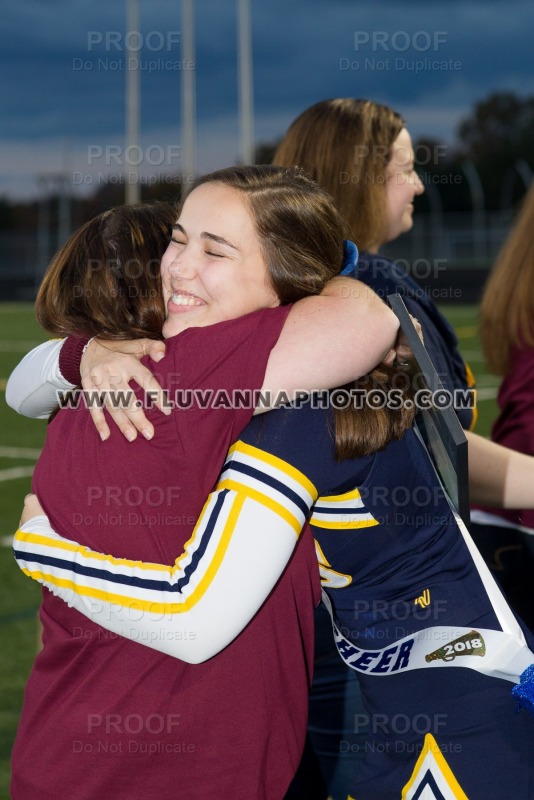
(264, 318)
(385, 276)
(230, 334)
(304, 437)
(294, 430)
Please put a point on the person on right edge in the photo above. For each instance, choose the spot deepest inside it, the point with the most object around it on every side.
(506, 538)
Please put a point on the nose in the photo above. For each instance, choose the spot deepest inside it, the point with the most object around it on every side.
(419, 186)
(182, 263)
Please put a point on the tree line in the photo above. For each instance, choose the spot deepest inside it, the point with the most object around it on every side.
(496, 139)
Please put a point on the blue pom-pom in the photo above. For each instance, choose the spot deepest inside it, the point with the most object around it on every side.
(524, 690)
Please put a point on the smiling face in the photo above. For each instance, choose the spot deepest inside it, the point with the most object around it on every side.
(213, 268)
(402, 185)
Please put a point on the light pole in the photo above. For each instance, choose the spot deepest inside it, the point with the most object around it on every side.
(246, 90)
(188, 94)
(132, 188)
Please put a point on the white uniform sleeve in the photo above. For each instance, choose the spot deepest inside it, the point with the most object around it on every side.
(32, 387)
(240, 545)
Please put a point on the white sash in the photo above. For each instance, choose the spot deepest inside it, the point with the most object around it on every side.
(499, 654)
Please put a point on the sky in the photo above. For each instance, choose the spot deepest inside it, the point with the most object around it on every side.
(62, 67)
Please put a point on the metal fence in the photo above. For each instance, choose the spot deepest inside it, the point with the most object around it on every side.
(448, 253)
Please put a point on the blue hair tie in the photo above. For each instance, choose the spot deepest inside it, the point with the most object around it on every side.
(350, 258)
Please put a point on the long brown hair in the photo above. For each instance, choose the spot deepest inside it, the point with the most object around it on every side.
(383, 410)
(507, 306)
(346, 145)
(105, 280)
(301, 236)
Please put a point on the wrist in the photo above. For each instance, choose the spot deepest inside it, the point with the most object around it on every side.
(70, 357)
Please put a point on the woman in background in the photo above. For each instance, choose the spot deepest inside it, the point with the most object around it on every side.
(362, 154)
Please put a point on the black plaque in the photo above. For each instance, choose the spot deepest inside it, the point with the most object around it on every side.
(439, 427)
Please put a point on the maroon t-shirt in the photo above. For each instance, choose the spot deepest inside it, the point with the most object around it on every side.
(514, 427)
(106, 717)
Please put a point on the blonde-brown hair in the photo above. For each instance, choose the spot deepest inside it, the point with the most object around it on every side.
(346, 145)
(507, 306)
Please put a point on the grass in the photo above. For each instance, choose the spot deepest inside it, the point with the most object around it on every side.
(464, 321)
(20, 597)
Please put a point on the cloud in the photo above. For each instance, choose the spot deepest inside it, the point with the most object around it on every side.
(66, 65)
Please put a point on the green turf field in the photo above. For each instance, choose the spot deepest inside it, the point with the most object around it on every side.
(20, 442)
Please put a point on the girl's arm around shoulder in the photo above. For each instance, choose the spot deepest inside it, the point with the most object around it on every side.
(191, 610)
(331, 339)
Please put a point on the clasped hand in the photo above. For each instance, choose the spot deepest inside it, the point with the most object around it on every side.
(109, 367)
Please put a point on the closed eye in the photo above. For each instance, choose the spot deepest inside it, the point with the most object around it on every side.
(176, 241)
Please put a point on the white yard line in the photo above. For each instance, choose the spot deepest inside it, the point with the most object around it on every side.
(20, 452)
(14, 473)
(6, 541)
(486, 394)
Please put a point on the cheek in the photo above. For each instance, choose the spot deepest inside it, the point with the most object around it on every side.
(398, 198)
(263, 294)
(392, 206)
(248, 297)
(215, 282)
(396, 216)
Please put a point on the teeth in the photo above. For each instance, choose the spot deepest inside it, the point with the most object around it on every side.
(184, 300)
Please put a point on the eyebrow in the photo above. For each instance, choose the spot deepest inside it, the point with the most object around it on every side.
(205, 235)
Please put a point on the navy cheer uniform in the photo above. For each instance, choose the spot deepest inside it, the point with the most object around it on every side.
(394, 563)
